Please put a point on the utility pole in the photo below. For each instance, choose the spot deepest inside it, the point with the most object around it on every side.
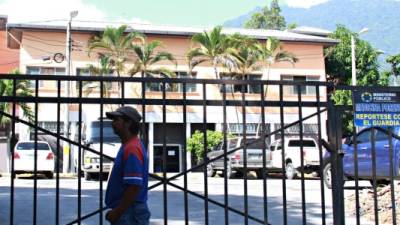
(353, 57)
(66, 147)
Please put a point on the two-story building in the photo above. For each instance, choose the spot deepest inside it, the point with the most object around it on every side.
(39, 43)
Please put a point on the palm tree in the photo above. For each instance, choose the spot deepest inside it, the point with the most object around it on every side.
(147, 56)
(213, 47)
(22, 89)
(105, 69)
(245, 54)
(271, 52)
(116, 45)
(246, 59)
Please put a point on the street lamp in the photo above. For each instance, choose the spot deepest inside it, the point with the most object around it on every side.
(67, 150)
(353, 57)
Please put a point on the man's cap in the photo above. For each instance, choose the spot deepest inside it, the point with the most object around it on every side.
(125, 111)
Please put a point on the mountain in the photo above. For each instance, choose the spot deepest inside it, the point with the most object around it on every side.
(380, 16)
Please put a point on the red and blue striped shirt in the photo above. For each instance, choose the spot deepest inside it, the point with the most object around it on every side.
(130, 168)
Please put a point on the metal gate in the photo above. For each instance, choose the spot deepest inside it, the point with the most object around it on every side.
(188, 197)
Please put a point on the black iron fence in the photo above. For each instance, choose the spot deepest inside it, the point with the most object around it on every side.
(245, 200)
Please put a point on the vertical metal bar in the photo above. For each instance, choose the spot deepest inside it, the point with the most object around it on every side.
(35, 156)
(12, 145)
(264, 159)
(374, 182)
(356, 180)
(334, 137)
(101, 150)
(282, 121)
(185, 193)
(392, 196)
(143, 128)
(165, 193)
(205, 160)
(122, 92)
(303, 194)
(244, 131)
(79, 153)
(58, 155)
(226, 158)
(320, 156)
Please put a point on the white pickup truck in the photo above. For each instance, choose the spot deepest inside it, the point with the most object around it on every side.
(292, 162)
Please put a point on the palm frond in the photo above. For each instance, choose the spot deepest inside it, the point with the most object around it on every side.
(162, 72)
(163, 56)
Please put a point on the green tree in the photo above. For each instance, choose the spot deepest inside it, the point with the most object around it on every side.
(338, 59)
(104, 69)
(195, 144)
(394, 61)
(115, 44)
(270, 52)
(245, 54)
(147, 56)
(338, 68)
(213, 47)
(268, 18)
(22, 89)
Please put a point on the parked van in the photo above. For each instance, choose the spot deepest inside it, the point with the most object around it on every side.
(292, 160)
(235, 165)
(91, 138)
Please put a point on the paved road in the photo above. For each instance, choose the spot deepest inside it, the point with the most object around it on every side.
(175, 201)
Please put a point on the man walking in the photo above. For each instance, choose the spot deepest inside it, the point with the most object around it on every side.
(126, 193)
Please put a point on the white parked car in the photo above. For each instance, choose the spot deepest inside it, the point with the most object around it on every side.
(292, 160)
(24, 157)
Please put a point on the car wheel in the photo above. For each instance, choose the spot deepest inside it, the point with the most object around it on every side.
(240, 174)
(50, 175)
(88, 176)
(290, 171)
(259, 174)
(210, 170)
(327, 175)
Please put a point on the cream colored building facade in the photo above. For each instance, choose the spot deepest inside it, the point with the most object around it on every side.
(39, 42)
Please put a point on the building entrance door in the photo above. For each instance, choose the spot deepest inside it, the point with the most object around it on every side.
(172, 158)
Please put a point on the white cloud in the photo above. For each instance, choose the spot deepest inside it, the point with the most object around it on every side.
(25, 11)
(304, 3)
(38, 10)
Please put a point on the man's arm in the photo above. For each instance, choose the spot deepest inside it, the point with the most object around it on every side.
(129, 196)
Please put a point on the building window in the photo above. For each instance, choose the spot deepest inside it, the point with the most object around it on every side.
(173, 87)
(248, 88)
(295, 129)
(293, 89)
(34, 70)
(96, 84)
(251, 128)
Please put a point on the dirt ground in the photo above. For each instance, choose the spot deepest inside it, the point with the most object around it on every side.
(384, 203)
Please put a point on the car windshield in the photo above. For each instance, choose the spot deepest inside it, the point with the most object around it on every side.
(31, 145)
(108, 132)
(297, 143)
(254, 144)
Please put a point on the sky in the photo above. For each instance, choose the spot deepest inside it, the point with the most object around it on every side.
(161, 12)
